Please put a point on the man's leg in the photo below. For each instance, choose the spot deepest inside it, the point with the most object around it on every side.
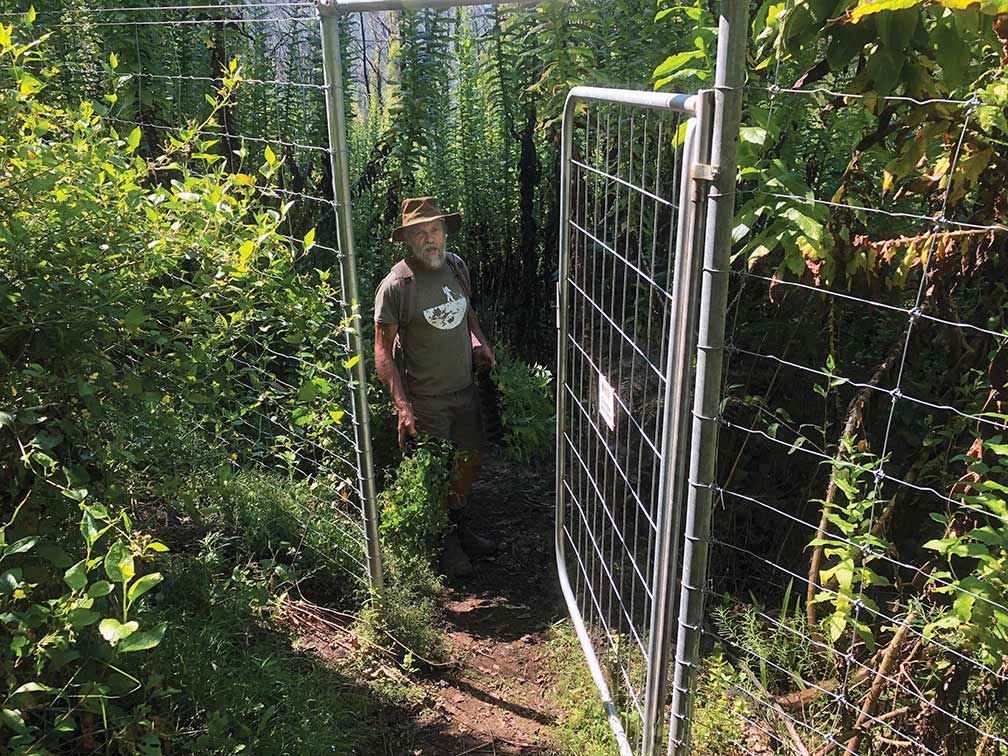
(434, 416)
(467, 433)
(467, 464)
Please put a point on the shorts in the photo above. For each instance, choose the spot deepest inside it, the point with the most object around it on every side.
(452, 417)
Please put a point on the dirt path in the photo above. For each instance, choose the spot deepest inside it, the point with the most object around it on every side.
(498, 625)
(494, 695)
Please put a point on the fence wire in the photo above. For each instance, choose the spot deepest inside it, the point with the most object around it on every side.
(856, 598)
(276, 399)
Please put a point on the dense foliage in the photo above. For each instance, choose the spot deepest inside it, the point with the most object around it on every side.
(132, 337)
(871, 152)
(175, 432)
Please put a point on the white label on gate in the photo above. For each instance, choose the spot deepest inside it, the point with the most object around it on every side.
(607, 402)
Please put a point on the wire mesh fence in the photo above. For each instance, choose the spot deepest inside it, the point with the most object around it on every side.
(625, 291)
(855, 589)
(248, 345)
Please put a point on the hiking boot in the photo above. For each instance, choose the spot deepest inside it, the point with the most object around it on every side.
(474, 544)
(454, 563)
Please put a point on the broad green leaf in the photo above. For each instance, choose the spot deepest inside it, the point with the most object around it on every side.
(115, 631)
(76, 576)
(836, 625)
(309, 239)
(134, 140)
(32, 687)
(21, 546)
(351, 362)
(113, 61)
(119, 563)
(675, 62)
(28, 84)
(307, 392)
(133, 318)
(13, 719)
(100, 588)
(142, 585)
(868, 7)
(83, 617)
(989, 7)
(143, 641)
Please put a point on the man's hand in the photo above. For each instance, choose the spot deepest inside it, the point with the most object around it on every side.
(484, 357)
(407, 424)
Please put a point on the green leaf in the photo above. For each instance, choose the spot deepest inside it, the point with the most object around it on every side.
(119, 563)
(21, 546)
(100, 588)
(269, 155)
(134, 318)
(143, 641)
(115, 631)
(32, 687)
(134, 140)
(113, 61)
(76, 576)
(309, 239)
(675, 62)
(13, 719)
(836, 625)
(142, 585)
(307, 392)
(83, 617)
(868, 7)
(350, 363)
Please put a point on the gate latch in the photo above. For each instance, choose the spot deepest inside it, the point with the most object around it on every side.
(704, 172)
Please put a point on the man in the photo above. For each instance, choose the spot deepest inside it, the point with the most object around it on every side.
(424, 301)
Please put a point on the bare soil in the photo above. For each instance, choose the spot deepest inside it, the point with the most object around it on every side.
(498, 624)
(494, 695)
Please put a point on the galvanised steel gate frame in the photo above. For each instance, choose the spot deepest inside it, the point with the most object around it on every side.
(588, 463)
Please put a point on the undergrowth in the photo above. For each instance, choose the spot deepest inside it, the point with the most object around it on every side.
(528, 408)
(582, 728)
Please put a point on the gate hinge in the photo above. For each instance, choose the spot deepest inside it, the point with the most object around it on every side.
(704, 172)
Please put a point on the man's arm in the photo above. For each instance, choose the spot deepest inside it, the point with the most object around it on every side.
(483, 353)
(385, 335)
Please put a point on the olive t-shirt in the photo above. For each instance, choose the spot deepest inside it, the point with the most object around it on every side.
(437, 349)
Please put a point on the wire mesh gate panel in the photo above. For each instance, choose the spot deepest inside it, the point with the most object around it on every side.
(630, 215)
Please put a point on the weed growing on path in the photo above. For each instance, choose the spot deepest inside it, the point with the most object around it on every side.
(583, 729)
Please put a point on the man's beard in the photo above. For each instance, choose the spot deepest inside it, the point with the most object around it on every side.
(431, 257)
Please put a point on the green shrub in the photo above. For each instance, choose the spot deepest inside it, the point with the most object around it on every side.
(304, 529)
(529, 411)
(414, 511)
(236, 683)
(138, 286)
(71, 615)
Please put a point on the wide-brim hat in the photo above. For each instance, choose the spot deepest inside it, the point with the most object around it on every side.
(417, 210)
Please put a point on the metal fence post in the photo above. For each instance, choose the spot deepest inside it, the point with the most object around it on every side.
(728, 80)
(338, 161)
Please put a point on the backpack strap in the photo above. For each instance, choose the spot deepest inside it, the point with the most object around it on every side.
(458, 267)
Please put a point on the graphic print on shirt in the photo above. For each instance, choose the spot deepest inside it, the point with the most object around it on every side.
(448, 315)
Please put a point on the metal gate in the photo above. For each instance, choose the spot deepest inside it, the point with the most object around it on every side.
(632, 184)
